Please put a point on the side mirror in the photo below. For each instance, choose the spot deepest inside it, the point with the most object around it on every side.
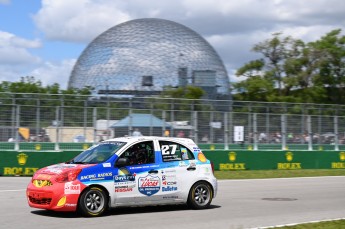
(121, 162)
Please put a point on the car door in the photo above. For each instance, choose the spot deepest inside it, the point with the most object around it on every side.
(179, 170)
(138, 181)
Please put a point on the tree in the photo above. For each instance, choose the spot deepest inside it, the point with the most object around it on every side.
(291, 70)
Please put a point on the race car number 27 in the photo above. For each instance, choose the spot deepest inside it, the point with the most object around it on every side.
(168, 149)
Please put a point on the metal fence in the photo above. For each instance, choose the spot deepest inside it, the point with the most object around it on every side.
(56, 122)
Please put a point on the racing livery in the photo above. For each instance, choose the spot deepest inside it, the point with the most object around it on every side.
(127, 171)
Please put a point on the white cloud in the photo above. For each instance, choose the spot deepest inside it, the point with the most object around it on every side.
(232, 27)
(5, 1)
(14, 50)
(77, 20)
(49, 73)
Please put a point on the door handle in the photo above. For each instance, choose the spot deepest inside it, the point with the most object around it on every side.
(191, 168)
(153, 171)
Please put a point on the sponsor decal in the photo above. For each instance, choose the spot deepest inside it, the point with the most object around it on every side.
(169, 171)
(201, 157)
(22, 158)
(102, 175)
(106, 165)
(99, 176)
(232, 156)
(289, 165)
(341, 163)
(169, 153)
(126, 189)
(70, 205)
(72, 188)
(192, 163)
(59, 168)
(182, 164)
(170, 197)
(124, 183)
(124, 178)
(169, 182)
(88, 177)
(149, 185)
(19, 171)
(169, 189)
(43, 176)
(233, 165)
(196, 149)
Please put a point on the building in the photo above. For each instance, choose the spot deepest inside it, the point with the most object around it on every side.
(142, 57)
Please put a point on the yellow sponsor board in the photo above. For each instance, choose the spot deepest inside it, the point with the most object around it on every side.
(19, 171)
(341, 163)
(289, 164)
(232, 156)
(338, 165)
(232, 166)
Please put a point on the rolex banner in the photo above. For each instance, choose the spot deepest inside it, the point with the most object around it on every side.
(25, 163)
(281, 160)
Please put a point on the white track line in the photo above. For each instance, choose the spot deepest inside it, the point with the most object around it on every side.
(13, 190)
(295, 224)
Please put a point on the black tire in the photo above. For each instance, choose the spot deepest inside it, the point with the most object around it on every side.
(200, 195)
(93, 202)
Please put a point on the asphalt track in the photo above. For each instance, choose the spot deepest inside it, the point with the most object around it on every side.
(239, 204)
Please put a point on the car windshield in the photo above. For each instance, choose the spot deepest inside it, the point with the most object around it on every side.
(98, 153)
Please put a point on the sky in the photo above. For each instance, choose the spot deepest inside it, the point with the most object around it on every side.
(44, 38)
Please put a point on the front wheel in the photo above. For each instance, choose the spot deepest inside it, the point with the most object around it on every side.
(93, 202)
(200, 195)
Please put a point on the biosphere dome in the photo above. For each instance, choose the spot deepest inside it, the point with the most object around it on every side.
(144, 56)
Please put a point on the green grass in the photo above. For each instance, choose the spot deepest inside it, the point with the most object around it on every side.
(260, 174)
(337, 224)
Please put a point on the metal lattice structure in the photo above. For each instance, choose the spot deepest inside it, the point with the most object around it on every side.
(147, 55)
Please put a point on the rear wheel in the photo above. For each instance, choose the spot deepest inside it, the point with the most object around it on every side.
(93, 202)
(200, 195)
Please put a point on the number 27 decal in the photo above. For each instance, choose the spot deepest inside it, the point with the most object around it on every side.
(168, 149)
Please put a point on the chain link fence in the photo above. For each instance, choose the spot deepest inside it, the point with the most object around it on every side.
(60, 122)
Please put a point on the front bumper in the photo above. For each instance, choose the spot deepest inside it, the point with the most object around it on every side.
(52, 197)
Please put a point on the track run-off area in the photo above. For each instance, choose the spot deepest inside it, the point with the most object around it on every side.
(252, 203)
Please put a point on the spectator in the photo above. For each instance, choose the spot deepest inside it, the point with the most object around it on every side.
(205, 139)
(180, 134)
(137, 133)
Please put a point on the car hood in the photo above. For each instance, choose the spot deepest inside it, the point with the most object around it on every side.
(60, 168)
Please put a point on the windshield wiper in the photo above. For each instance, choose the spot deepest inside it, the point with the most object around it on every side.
(77, 162)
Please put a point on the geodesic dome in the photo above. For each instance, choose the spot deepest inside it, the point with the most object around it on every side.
(147, 55)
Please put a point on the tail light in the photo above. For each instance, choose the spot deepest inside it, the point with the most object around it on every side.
(212, 166)
(70, 175)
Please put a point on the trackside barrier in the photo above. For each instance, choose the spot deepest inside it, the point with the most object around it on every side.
(25, 163)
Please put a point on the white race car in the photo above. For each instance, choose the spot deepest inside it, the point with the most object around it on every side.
(128, 171)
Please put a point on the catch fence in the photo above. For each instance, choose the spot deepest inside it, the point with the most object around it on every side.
(61, 122)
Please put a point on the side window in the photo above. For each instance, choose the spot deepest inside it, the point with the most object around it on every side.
(172, 151)
(140, 153)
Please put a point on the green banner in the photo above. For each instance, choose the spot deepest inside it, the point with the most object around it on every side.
(267, 160)
(25, 163)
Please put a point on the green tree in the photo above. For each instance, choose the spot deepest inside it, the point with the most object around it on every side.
(291, 70)
(330, 50)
